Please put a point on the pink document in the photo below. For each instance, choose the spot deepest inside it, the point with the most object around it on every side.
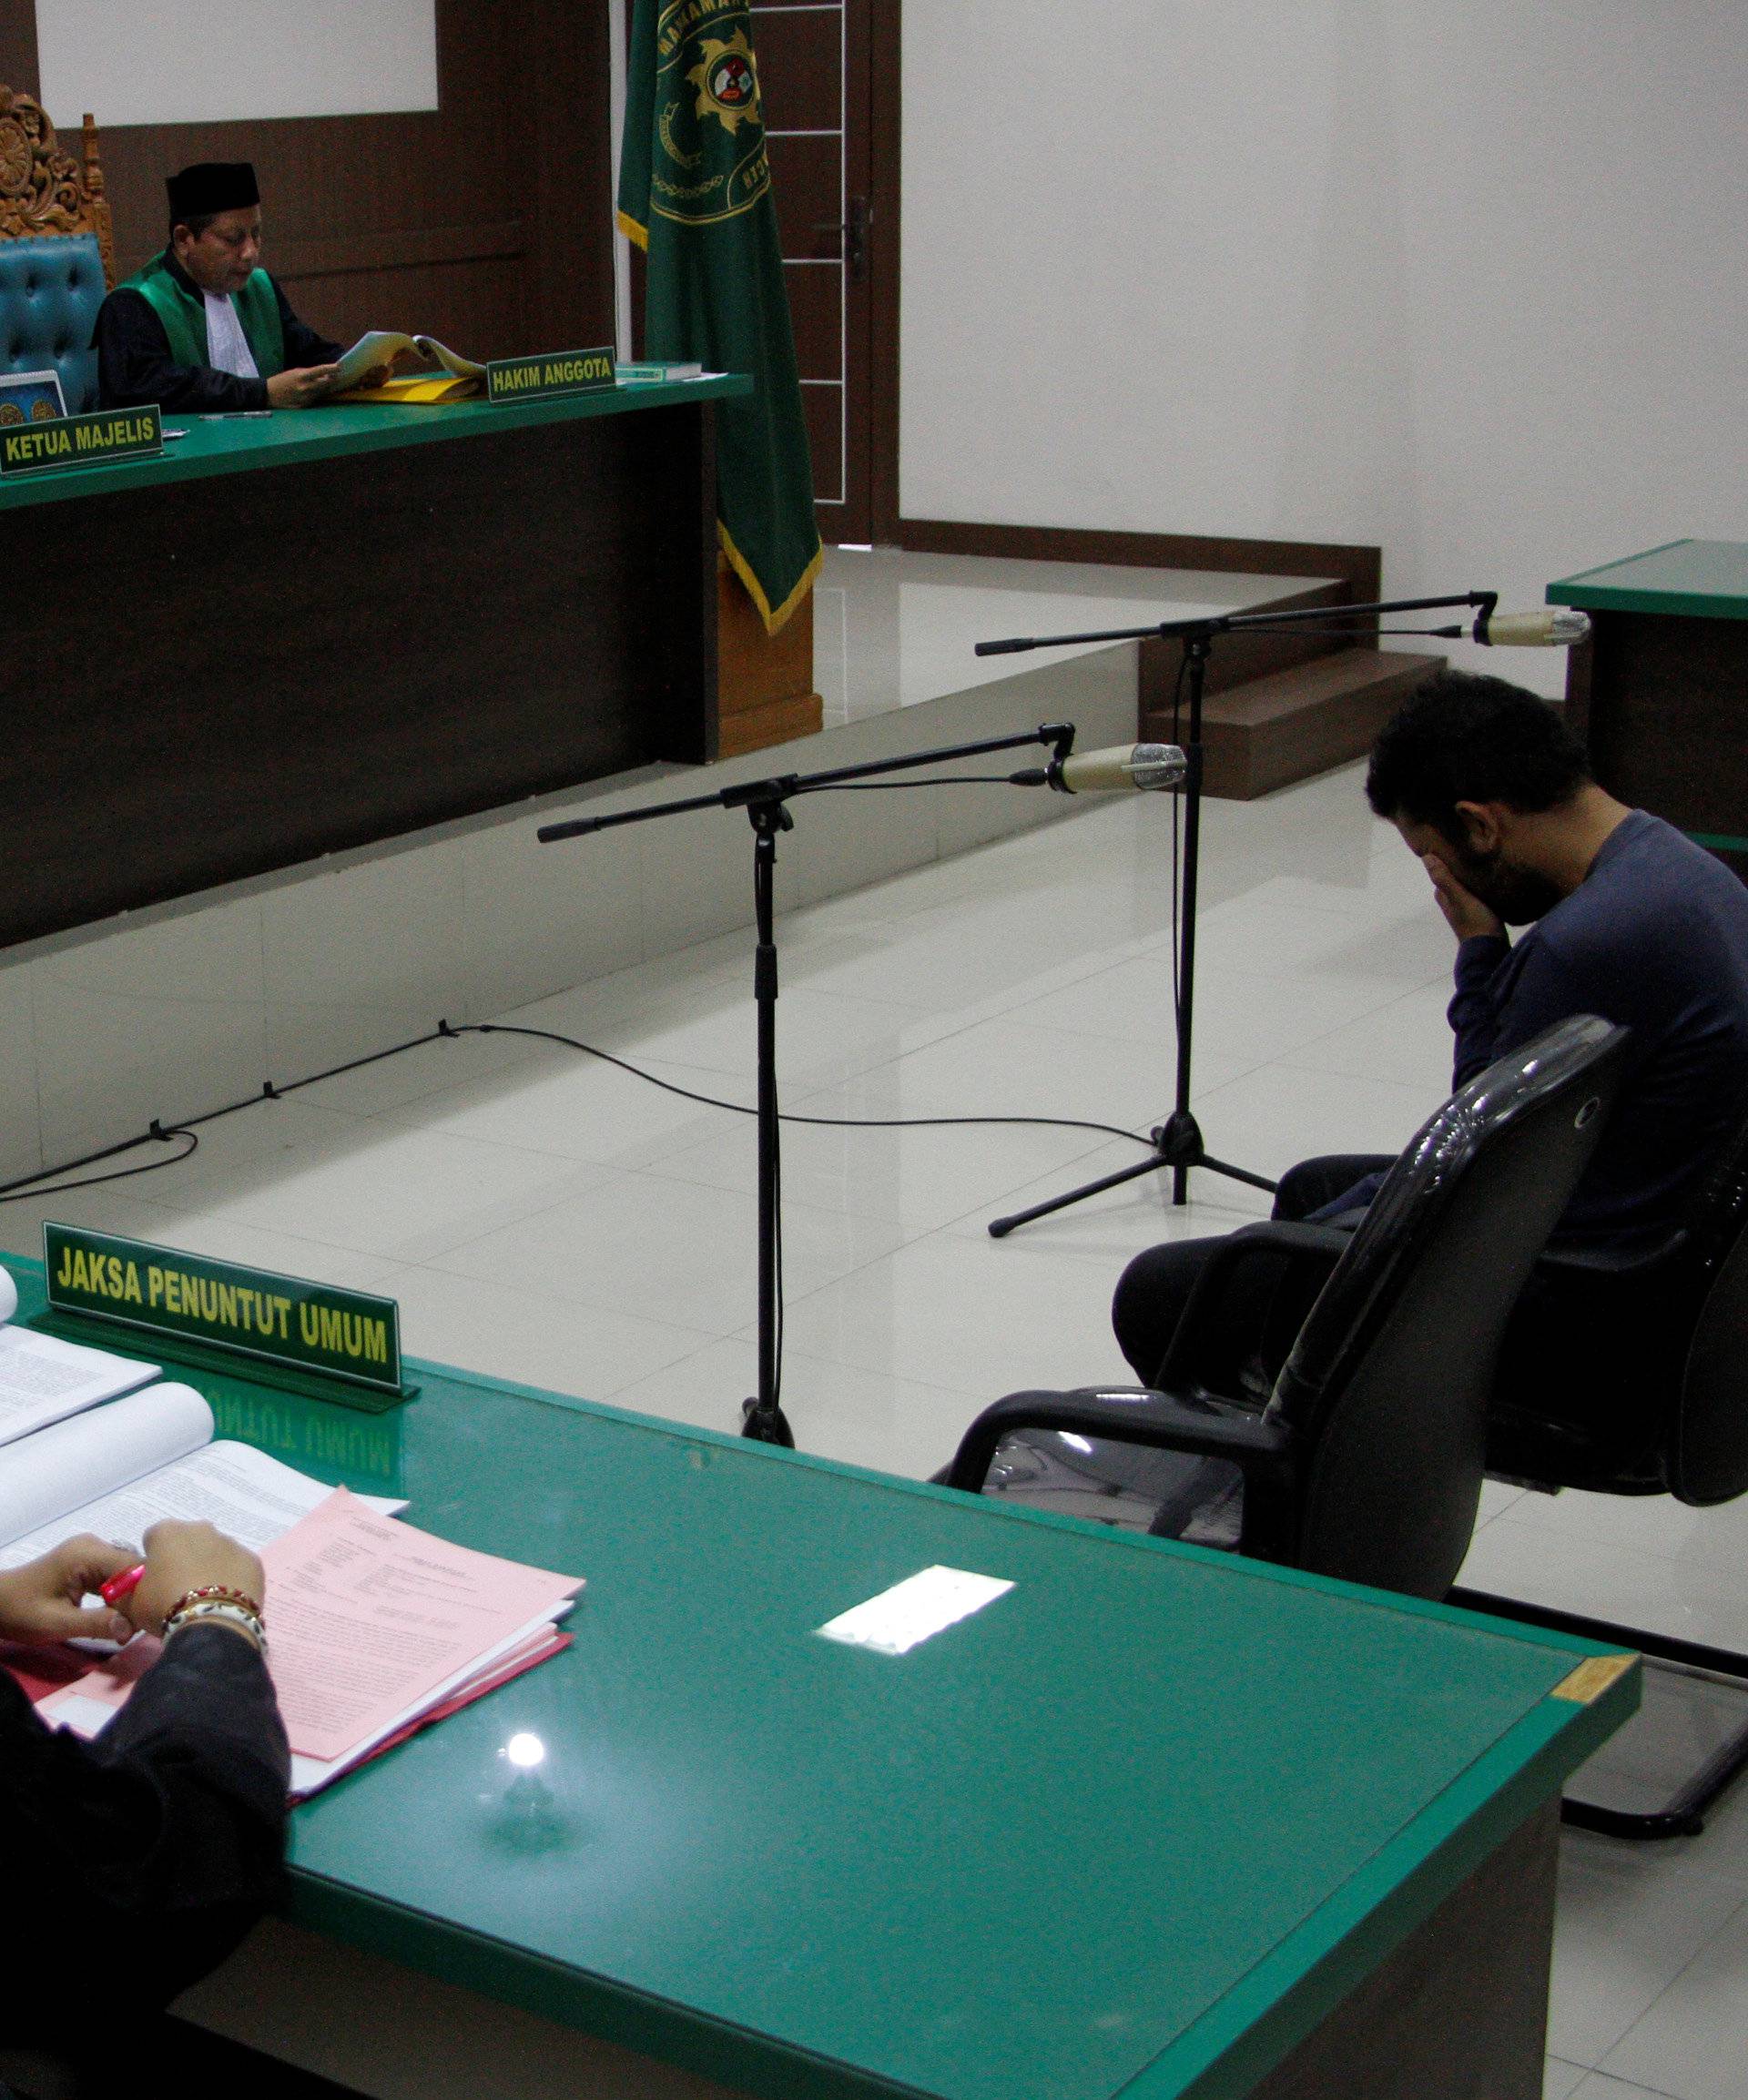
(368, 1619)
(371, 1623)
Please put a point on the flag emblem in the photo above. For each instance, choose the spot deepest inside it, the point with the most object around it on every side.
(726, 81)
(695, 193)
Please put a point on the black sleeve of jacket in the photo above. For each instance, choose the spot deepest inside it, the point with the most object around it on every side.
(134, 366)
(303, 346)
(138, 1861)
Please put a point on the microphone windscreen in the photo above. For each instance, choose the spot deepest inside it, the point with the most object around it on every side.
(1551, 627)
(1123, 766)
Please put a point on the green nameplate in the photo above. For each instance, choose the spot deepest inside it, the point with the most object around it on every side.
(585, 372)
(82, 440)
(273, 1319)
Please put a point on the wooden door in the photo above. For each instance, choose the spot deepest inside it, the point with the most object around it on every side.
(829, 91)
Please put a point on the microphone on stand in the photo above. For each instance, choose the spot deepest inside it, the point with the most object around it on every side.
(1120, 765)
(1552, 627)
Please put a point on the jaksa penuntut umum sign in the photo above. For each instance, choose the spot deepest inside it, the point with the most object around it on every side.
(304, 1326)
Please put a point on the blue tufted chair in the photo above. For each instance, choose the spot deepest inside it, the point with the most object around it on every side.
(50, 289)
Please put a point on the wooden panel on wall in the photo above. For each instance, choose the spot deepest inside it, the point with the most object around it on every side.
(18, 44)
(289, 689)
(822, 404)
(798, 67)
(816, 314)
(804, 168)
(486, 222)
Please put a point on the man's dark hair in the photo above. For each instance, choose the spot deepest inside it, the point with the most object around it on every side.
(196, 223)
(1463, 738)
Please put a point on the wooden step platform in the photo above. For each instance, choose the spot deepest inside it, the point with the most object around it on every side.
(1291, 723)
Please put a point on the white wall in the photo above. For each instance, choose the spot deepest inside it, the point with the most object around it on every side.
(219, 61)
(1463, 277)
(171, 1011)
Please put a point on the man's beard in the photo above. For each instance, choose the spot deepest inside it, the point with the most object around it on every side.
(1519, 895)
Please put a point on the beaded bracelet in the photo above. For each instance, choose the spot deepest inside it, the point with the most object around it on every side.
(216, 1593)
(236, 1615)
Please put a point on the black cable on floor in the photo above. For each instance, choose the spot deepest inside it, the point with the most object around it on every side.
(788, 1115)
(27, 1187)
(156, 1133)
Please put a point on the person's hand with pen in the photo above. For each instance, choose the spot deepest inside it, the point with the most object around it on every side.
(43, 1601)
(164, 1836)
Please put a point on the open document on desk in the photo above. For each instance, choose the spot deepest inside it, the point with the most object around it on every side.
(117, 1469)
(44, 1379)
(373, 1628)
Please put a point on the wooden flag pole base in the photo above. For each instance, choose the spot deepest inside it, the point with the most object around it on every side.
(765, 692)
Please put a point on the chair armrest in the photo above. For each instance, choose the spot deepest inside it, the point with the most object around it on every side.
(1126, 1414)
(1612, 1261)
(1310, 1252)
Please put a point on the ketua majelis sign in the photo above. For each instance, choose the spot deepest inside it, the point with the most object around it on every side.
(82, 440)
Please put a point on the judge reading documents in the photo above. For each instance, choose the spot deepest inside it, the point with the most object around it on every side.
(203, 329)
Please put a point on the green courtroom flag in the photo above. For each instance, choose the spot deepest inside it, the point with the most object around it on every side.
(695, 193)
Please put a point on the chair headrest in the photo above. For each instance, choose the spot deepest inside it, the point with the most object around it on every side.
(1579, 1051)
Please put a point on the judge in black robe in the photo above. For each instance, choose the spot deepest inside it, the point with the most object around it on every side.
(202, 328)
(134, 365)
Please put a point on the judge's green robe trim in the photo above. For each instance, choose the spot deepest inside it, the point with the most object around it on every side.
(183, 315)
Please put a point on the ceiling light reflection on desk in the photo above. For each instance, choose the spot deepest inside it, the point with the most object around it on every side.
(915, 1609)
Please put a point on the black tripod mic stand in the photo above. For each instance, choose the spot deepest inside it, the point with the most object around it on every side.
(1177, 1142)
(766, 803)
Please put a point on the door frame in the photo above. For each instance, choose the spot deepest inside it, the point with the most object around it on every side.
(886, 108)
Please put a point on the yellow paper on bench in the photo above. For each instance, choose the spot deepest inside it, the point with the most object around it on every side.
(419, 390)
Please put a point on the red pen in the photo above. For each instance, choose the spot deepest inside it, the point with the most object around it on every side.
(122, 1585)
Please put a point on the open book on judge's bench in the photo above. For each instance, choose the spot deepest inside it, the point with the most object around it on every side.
(456, 379)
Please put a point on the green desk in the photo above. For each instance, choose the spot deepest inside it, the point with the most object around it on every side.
(1661, 690)
(320, 630)
(1154, 1823)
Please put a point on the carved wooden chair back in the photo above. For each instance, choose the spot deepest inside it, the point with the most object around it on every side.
(56, 257)
(42, 189)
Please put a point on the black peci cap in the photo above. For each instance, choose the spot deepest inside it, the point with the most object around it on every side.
(212, 186)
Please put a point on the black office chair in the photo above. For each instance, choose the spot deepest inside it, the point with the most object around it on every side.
(1670, 1338)
(1366, 1462)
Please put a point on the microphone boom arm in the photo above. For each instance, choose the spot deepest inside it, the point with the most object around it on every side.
(1209, 623)
(750, 794)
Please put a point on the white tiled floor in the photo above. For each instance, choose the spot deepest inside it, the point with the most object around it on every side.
(543, 1216)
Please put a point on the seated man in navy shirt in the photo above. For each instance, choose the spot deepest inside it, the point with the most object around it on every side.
(1627, 919)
